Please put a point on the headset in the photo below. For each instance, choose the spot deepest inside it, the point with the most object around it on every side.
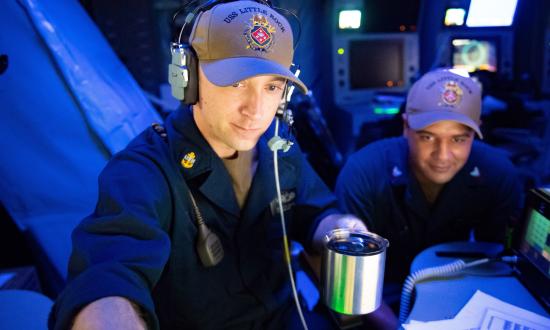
(183, 71)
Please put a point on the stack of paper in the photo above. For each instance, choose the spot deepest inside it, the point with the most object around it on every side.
(484, 312)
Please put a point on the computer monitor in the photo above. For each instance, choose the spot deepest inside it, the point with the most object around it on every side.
(535, 241)
(367, 64)
(474, 54)
(376, 63)
(534, 246)
(477, 50)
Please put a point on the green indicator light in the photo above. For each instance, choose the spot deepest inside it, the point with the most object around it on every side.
(340, 51)
(386, 111)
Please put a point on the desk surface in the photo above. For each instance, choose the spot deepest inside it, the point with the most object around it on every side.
(443, 298)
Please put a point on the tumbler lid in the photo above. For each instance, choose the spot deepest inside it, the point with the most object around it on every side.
(355, 243)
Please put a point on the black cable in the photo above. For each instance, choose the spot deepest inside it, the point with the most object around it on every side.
(175, 15)
(299, 33)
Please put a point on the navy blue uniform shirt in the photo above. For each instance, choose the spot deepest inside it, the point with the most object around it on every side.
(377, 185)
(140, 241)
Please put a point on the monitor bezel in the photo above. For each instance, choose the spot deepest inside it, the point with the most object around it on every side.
(344, 94)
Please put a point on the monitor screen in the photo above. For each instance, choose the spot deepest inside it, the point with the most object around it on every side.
(533, 247)
(535, 243)
(474, 55)
(485, 13)
(376, 63)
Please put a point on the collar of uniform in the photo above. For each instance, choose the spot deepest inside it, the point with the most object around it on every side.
(286, 166)
(471, 175)
(451, 193)
(473, 172)
(262, 190)
(403, 180)
(399, 171)
(398, 163)
(285, 159)
(185, 138)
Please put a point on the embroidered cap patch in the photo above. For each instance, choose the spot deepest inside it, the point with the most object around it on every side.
(259, 35)
(452, 93)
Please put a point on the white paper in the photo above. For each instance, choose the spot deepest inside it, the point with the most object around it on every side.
(452, 324)
(485, 312)
(480, 302)
(497, 320)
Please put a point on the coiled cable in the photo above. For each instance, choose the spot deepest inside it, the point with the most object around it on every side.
(435, 272)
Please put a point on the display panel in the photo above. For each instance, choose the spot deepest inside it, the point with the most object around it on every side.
(535, 244)
(376, 64)
(474, 55)
(533, 247)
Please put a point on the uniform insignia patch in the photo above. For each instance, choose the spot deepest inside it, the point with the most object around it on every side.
(287, 198)
(396, 172)
(475, 172)
(259, 35)
(188, 160)
(452, 93)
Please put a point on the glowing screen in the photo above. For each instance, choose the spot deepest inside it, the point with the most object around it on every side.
(535, 244)
(474, 55)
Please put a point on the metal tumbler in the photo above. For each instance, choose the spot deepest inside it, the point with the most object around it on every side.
(352, 271)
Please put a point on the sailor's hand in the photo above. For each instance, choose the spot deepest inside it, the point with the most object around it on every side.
(336, 221)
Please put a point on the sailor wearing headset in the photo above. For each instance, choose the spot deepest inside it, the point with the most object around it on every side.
(187, 229)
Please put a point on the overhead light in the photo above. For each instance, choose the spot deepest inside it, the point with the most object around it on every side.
(454, 16)
(491, 13)
(349, 19)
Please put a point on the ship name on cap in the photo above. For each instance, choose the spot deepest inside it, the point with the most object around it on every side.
(231, 16)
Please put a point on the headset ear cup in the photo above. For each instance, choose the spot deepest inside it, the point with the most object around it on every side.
(191, 92)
